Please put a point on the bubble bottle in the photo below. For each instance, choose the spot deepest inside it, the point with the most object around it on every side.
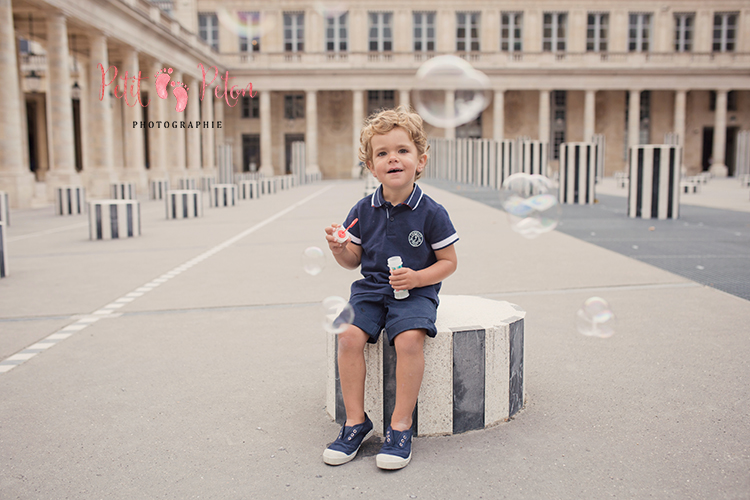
(394, 263)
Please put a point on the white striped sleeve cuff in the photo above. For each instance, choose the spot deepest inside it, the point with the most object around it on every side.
(355, 240)
(444, 243)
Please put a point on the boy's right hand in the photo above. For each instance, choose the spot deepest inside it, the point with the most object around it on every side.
(333, 244)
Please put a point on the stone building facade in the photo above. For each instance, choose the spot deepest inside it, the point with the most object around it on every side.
(559, 71)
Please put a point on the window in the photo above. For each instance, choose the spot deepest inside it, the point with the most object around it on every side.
(511, 32)
(250, 107)
(731, 101)
(557, 128)
(379, 99)
(249, 31)
(725, 32)
(381, 31)
(683, 32)
(294, 31)
(208, 29)
(597, 32)
(424, 32)
(554, 32)
(294, 106)
(337, 32)
(639, 33)
(467, 32)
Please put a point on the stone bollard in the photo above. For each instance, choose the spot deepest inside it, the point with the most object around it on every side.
(248, 190)
(187, 183)
(532, 157)
(122, 191)
(473, 377)
(70, 200)
(184, 203)
(223, 195)
(654, 190)
(3, 250)
(4, 208)
(268, 185)
(577, 173)
(207, 182)
(113, 219)
(157, 189)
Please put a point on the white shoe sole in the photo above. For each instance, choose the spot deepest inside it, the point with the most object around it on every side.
(391, 462)
(333, 457)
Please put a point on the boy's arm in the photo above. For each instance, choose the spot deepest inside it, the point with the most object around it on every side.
(347, 254)
(406, 279)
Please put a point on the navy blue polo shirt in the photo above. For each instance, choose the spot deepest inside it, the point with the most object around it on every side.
(412, 230)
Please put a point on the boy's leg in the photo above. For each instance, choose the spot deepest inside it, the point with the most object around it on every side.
(352, 372)
(409, 371)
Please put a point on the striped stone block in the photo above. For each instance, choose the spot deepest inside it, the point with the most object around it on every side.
(532, 157)
(70, 200)
(621, 178)
(157, 189)
(3, 250)
(122, 191)
(113, 219)
(474, 370)
(184, 203)
(654, 190)
(223, 195)
(187, 183)
(502, 162)
(578, 167)
(268, 185)
(4, 208)
(206, 182)
(248, 190)
(690, 186)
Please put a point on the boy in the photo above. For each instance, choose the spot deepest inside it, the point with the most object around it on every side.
(397, 220)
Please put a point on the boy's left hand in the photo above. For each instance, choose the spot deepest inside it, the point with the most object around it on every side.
(404, 279)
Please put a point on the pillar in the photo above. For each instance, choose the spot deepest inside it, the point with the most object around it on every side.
(134, 168)
(311, 132)
(498, 115)
(589, 115)
(156, 113)
(176, 136)
(718, 166)
(358, 117)
(679, 118)
(634, 118)
(209, 148)
(450, 104)
(544, 97)
(100, 174)
(404, 98)
(192, 115)
(266, 142)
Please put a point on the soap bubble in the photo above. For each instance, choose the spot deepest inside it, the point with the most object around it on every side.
(595, 318)
(531, 204)
(330, 10)
(337, 314)
(313, 260)
(245, 24)
(445, 73)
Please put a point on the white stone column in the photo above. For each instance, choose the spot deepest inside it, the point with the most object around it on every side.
(544, 97)
(156, 113)
(404, 97)
(207, 133)
(219, 107)
(60, 126)
(266, 141)
(192, 115)
(634, 118)
(101, 172)
(589, 115)
(311, 132)
(134, 161)
(358, 117)
(15, 177)
(176, 136)
(498, 115)
(680, 99)
(718, 167)
(450, 103)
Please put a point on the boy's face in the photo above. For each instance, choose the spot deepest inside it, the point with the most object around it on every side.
(395, 160)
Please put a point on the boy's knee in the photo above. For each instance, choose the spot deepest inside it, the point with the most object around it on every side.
(352, 338)
(410, 342)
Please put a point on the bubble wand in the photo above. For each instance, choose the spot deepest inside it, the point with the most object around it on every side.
(341, 232)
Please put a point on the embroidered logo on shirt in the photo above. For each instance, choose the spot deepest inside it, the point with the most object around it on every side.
(415, 238)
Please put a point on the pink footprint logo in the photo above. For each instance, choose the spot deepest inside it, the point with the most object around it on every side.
(180, 92)
(162, 79)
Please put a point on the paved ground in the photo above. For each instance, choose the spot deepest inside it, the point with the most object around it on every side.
(195, 366)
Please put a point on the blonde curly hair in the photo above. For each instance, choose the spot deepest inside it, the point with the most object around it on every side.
(382, 122)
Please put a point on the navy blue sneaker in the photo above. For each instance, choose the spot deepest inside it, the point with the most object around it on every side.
(396, 450)
(346, 446)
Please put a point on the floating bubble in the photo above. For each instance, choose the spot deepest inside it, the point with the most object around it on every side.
(337, 314)
(246, 24)
(313, 260)
(330, 10)
(595, 318)
(530, 202)
(471, 91)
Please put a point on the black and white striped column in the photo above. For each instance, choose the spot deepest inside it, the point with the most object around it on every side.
(70, 200)
(157, 189)
(654, 181)
(184, 203)
(4, 208)
(122, 191)
(578, 167)
(207, 182)
(3, 250)
(223, 195)
(113, 219)
(268, 185)
(533, 157)
(473, 378)
(187, 183)
(502, 162)
(248, 190)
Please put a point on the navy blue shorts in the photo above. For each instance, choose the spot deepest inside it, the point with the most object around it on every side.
(373, 311)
